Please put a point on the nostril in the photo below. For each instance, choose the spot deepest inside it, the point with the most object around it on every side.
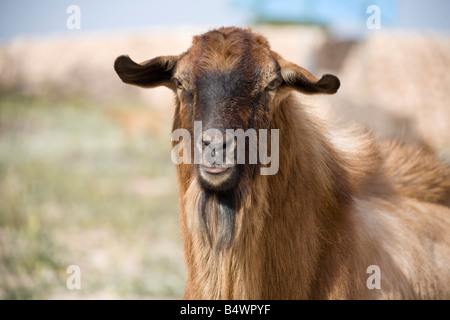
(217, 142)
(207, 139)
(230, 142)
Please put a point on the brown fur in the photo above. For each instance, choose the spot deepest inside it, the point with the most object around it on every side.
(341, 201)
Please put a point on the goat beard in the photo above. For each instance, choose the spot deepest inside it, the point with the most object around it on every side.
(219, 212)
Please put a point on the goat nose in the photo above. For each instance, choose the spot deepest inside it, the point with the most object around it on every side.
(217, 141)
(218, 146)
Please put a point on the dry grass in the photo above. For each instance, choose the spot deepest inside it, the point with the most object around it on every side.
(76, 189)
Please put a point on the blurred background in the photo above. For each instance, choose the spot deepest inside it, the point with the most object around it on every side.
(85, 172)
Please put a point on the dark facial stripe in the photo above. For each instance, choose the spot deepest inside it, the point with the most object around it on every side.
(222, 94)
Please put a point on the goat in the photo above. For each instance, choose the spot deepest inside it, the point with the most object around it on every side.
(340, 203)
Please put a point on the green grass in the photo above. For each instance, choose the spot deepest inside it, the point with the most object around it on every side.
(76, 190)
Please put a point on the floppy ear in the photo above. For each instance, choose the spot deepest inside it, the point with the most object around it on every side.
(148, 74)
(302, 80)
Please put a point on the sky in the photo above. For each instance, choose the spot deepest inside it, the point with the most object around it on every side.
(47, 17)
(18, 17)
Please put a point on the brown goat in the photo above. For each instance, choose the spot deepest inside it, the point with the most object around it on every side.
(340, 202)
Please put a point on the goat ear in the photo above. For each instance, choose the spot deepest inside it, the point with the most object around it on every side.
(148, 74)
(302, 80)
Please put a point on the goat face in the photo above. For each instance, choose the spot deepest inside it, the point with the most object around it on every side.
(227, 80)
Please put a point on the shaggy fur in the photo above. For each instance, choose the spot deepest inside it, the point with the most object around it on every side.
(341, 201)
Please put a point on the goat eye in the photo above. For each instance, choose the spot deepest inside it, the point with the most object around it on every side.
(273, 84)
(179, 84)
